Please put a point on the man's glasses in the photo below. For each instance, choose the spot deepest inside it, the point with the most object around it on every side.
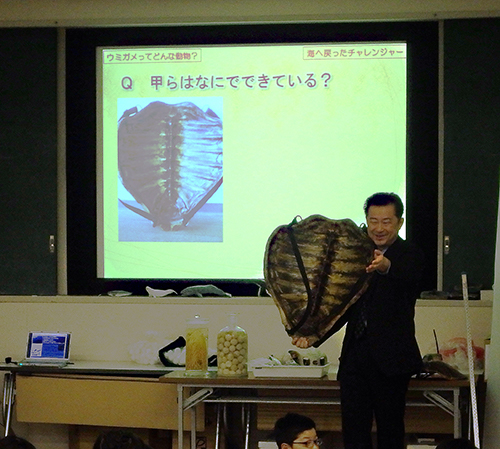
(311, 443)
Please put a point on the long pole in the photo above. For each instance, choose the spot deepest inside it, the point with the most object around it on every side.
(470, 356)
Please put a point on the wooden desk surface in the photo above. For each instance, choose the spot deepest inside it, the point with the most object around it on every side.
(125, 369)
(329, 381)
(178, 375)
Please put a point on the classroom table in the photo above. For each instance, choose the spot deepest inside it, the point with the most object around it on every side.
(84, 369)
(450, 395)
(184, 392)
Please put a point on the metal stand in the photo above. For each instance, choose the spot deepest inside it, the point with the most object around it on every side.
(447, 395)
(9, 395)
(470, 356)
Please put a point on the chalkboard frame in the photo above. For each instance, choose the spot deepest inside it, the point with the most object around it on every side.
(422, 175)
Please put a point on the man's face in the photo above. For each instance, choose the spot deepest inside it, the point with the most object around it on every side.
(383, 225)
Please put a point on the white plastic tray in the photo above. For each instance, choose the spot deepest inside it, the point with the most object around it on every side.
(313, 371)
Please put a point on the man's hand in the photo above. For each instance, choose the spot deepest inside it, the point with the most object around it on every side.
(304, 342)
(379, 263)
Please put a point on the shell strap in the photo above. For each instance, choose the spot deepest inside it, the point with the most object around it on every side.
(305, 280)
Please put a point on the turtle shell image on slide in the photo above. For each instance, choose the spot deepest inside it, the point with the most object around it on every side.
(170, 160)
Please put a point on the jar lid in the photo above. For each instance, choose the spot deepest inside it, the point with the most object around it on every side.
(197, 320)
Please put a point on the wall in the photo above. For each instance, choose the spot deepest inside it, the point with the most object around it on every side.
(102, 12)
(492, 412)
(104, 328)
(95, 320)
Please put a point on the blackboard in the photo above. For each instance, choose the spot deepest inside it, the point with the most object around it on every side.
(472, 149)
(28, 157)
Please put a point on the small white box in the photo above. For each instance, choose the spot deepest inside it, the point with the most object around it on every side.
(313, 371)
(267, 445)
(486, 295)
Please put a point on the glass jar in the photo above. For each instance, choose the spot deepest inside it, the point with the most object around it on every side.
(197, 347)
(232, 350)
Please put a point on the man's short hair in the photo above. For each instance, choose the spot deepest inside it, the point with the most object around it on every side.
(383, 199)
(287, 428)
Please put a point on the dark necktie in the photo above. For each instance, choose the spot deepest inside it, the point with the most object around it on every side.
(361, 322)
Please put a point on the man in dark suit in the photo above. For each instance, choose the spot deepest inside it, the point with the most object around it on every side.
(379, 352)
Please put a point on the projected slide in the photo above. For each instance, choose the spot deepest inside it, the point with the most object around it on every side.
(204, 151)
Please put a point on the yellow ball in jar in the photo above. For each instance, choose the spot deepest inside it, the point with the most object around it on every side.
(230, 353)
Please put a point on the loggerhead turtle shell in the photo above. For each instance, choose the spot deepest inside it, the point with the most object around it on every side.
(315, 269)
(170, 160)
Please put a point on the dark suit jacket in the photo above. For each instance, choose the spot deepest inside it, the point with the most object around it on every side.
(390, 312)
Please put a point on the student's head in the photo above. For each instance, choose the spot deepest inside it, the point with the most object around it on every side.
(119, 439)
(13, 442)
(294, 431)
(456, 443)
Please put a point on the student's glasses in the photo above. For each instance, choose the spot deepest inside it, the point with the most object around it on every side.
(310, 443)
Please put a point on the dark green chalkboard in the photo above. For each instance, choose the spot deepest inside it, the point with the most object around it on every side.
(472, 148)
(28, 157)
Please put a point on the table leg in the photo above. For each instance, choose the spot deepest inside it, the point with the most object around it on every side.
(217, 425)
(8, 399)
(180, 416)
(246, 414)
(193, 427)
(457, 414)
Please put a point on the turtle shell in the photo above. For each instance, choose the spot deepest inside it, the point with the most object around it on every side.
(315, 269)
(170, 160)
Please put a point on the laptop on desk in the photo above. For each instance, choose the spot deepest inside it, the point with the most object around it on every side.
(49, 349)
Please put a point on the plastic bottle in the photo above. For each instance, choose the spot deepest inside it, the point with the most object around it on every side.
(197, 347)
(232, 350)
